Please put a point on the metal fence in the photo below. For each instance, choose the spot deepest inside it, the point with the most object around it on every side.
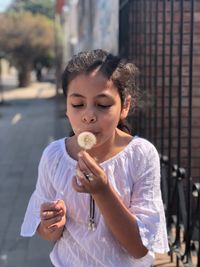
(163, 38)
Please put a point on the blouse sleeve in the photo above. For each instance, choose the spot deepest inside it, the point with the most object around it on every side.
(44, 192)
(146, 201)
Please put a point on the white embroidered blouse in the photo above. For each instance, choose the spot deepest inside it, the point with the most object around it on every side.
(135, 175)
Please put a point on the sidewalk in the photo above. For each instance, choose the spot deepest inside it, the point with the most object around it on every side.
(163, 260)
(29, 120)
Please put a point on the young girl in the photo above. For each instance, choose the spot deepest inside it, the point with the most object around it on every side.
(114, 186)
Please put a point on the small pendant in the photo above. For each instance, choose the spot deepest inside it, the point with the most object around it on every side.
(90, 225)
(93, 226)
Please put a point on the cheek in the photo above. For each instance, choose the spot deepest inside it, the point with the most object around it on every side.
(74, 120)
(71, 117)
(110, 120)
(70, 112)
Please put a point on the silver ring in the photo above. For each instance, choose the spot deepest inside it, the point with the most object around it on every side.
(89, 176)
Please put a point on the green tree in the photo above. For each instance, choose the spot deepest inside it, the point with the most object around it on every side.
(45, 7)
(24, 37)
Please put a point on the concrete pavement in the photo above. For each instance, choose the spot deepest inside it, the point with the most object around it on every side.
(30, 118)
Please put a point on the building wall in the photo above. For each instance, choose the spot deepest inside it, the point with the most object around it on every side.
(148, 44)
(106, 25)
(91, 24)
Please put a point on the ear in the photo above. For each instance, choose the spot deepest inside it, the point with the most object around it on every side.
(125, 107)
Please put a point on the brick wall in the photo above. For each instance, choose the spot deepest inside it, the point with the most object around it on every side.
(150, 48)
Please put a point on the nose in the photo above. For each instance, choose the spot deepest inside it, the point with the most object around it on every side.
(89, 117)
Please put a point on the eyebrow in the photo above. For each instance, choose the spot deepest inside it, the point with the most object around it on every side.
(76, 95)
(98, 96)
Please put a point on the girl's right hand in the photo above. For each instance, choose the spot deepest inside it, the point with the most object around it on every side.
(53, 219)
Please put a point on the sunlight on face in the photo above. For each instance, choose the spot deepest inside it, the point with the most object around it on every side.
(94, 105)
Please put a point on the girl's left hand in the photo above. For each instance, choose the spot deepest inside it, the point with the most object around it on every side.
(97, 181)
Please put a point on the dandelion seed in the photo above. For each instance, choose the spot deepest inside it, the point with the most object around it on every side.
(86, 140)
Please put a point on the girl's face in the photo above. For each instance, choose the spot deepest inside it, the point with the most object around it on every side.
(94, 105)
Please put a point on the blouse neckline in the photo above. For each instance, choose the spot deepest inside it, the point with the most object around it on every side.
(106, 162)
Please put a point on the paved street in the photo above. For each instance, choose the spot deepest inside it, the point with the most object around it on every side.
(30, 118)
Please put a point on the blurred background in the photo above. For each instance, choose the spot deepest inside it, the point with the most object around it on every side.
(37, 38)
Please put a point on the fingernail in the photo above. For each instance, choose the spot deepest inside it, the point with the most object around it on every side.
(96, 159)
(80, 154)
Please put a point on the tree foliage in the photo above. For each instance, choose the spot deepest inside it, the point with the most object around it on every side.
(24, 37)
(44, 7)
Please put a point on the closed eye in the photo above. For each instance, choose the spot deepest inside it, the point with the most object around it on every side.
(104, 106)
(98, 105)
(77, 106)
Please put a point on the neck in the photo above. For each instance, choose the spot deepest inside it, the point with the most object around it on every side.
(105, 151)
(111, 147)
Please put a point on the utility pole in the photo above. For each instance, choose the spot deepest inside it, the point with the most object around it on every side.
(1, 84)
(58, 46)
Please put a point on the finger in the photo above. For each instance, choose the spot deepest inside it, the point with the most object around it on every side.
(56, 225)
(79, 173)
(88, 164)
(77, 187)
(52, 228)
(82, 178)
(60, 205)
(96, 159)
(82, 166)
(47, 206)
(50, 222)
(46, 215)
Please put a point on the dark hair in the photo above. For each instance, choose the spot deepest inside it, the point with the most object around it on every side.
(122, 73)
